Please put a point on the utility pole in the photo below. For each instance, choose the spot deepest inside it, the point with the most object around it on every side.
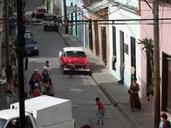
(6, 31)
(47, 5)
(20, 54)
(65, 10)
(156, 74)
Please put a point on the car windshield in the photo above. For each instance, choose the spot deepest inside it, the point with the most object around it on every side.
(2, 122)
(41, 10)
(29, 41)
(75, 54)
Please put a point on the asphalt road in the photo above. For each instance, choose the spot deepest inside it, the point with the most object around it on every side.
(81, 90)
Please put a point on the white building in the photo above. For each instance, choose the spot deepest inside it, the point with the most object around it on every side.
(125, 51)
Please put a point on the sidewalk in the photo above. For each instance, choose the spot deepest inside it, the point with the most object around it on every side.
(117, 94)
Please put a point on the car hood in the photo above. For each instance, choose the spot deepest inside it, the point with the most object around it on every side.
(76, 60)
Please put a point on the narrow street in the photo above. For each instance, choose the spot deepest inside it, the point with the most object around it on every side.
(82, 90)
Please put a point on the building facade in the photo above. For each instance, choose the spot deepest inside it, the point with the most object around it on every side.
(115, 40)
(124, 36)
(165, 52)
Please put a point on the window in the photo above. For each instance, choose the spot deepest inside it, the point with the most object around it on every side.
(2, 122)
(75, 54)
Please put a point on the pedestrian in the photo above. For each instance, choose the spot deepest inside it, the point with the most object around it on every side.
(10, 91)
(100, 111)
(71, 72)
(45, 79)
(164, 123)
(8, 72)
(134, 96)
(86, 126)
(33, 15)
(35, 78)
(36, 91)
(66, 26)
(47, 66)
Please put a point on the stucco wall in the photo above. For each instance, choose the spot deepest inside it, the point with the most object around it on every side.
(129, 30)
(147, 31)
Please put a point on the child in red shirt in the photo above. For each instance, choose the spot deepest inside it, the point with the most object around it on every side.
(101, 110)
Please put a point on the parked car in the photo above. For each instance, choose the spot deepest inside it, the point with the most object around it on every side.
(40, 12)
(31, 47)
(50, 23)
(74, 57)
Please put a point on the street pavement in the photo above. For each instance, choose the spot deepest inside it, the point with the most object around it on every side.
(117, 94)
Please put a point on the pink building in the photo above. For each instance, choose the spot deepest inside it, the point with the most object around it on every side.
(165, 52)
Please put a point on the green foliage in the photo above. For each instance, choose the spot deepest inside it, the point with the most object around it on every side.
(148, 46)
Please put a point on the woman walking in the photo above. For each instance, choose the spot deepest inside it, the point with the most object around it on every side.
(134, 96)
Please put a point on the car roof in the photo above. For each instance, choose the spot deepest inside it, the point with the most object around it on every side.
(73, 49)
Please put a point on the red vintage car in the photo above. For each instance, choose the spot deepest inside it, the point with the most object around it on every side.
(74, 58)
(40, 12)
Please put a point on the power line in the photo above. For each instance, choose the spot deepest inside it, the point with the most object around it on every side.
(119, 20)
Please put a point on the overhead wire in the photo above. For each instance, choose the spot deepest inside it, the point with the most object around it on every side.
(118, 20)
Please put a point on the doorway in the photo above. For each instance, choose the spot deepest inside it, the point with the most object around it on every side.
(166, 82)
(103, 32)
(122, 57)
